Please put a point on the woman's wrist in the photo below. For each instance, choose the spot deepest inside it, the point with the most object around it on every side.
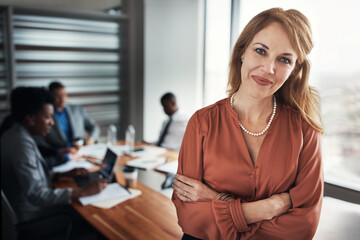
(224, 197)
(279, 204)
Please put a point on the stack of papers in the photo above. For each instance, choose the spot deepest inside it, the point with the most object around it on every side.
(73, 164)
(170, 167)
(110, 196)
(146, 163)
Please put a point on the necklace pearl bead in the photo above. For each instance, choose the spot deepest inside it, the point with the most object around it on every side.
(267, 126)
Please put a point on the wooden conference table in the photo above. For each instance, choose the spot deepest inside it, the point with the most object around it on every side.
(148, 216)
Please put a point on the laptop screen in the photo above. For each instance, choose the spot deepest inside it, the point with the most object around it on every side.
(108, 164)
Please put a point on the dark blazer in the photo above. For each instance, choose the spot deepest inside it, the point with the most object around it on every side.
(25, 177)
(80, 124)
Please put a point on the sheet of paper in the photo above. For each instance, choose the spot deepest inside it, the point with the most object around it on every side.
(146, 162)
(149, 151)
(111, 191)
(118, 149)
(170, 167)
(73, 164)
(95, 150)
(113, 202)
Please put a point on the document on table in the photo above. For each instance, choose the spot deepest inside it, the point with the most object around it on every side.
(95, 150)
(111, 191)
(73, 164)
(113, 202)
(170, 167)
(99, 150)
(148, 151)
(146, 162)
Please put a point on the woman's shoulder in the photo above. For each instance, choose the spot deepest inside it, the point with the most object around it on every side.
(16, 134)
(289, 111)
(295, 117)
(212, 109)
(202, 117)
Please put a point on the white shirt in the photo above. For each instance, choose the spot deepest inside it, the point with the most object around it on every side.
(176, 131)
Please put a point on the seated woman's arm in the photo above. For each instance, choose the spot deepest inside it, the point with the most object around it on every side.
(33, 178)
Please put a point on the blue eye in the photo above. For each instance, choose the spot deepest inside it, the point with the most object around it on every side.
(260, 51)
(285, 60)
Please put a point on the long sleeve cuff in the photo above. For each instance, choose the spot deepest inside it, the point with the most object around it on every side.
(237, 216)
(229, 218)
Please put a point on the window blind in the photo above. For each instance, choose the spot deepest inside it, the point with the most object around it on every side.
(85, 55)
(4, 108)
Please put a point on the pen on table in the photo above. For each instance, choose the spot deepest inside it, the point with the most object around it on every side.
(126, 189)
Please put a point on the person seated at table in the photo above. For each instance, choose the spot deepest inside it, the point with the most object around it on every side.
(51, 155)
(172, 131)
(173, 128)
(25, 177)
(71, 125)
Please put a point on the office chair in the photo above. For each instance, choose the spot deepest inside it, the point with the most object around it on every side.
(61, 225)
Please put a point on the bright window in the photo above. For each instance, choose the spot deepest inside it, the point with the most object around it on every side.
(217, 49)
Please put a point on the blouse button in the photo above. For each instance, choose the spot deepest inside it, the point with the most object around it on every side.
(251, 176)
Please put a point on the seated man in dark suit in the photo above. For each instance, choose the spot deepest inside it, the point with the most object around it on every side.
(72, 124)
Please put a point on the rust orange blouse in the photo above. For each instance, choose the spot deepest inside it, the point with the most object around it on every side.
(214, 151)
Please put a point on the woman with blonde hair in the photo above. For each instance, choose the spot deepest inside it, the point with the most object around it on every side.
(250, 165)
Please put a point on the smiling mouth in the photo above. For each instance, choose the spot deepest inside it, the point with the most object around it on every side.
(262, 81)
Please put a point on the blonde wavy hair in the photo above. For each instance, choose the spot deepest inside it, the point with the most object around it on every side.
(296, 91)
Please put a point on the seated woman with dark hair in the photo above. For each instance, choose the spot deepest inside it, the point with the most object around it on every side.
(25, 177)
(51, 155)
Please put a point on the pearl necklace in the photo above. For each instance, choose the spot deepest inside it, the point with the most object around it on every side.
(267, 126)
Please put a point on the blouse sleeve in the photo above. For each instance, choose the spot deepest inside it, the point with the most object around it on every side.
(302, 219)
(207, 219)
(196, 218)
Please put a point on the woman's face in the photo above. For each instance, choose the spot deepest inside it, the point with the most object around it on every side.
(268, 61)
(43, 120)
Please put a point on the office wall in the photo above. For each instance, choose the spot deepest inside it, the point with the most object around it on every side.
(173, 55)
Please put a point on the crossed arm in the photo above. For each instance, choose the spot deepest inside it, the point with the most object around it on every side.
(191, 190)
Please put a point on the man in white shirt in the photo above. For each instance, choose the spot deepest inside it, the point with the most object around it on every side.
(173, 128)
(172, 131)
